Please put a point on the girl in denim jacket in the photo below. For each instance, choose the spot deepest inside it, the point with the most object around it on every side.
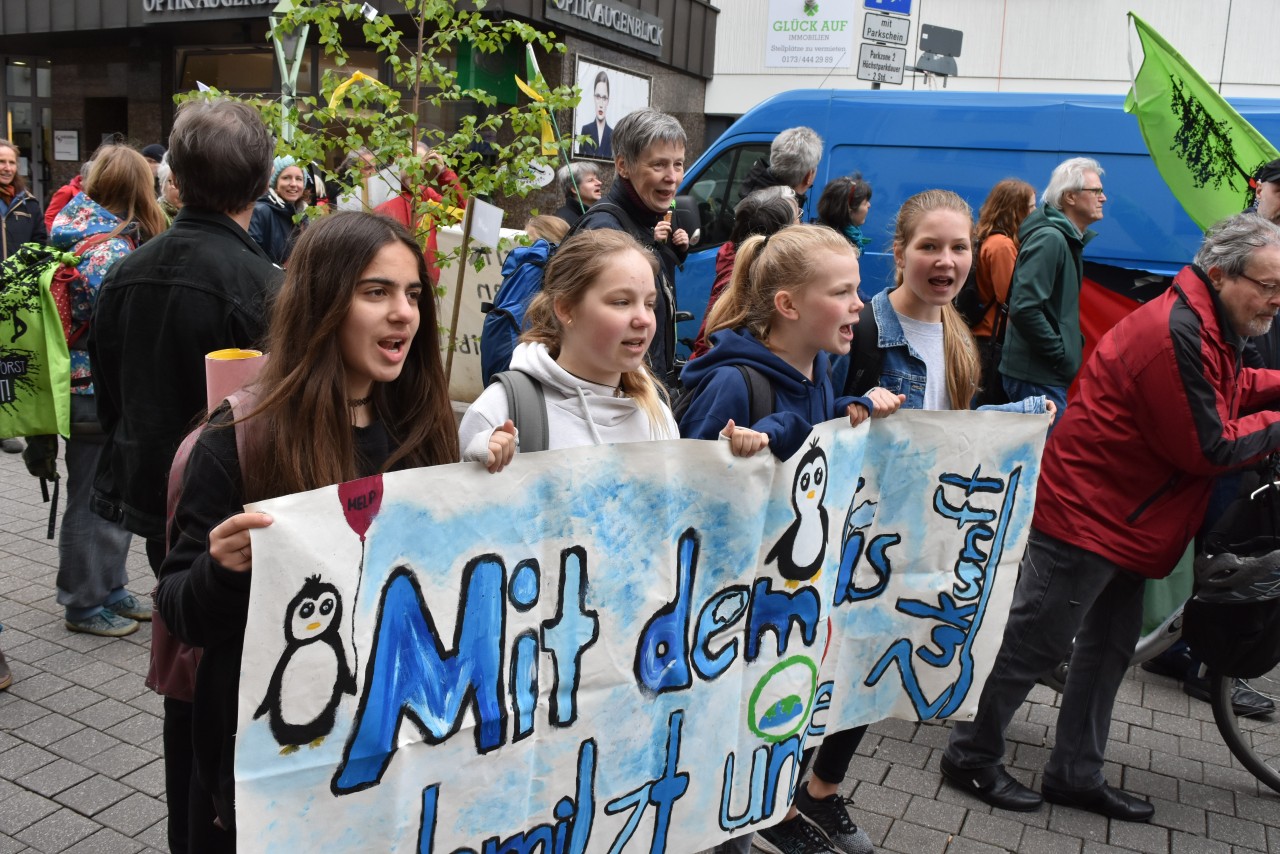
(926, 350)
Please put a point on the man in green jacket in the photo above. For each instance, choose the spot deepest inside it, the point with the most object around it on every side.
(1043, 345)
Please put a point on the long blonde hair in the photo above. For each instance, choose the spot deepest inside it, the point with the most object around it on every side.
(574, 268)
(786, 260)
(959, 350)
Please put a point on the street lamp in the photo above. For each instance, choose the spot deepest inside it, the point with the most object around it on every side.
(290, 46)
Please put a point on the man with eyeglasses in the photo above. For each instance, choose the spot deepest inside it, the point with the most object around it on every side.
(1043, 346)
(1164, 408)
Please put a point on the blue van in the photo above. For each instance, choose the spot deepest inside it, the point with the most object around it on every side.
(905, 142)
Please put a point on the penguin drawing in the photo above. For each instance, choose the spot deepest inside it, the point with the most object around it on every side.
(802, 548)
(313, 655)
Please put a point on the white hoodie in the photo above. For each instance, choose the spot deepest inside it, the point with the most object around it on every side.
(578, 412)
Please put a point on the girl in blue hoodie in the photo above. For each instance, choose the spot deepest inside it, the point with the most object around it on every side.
(792, 300)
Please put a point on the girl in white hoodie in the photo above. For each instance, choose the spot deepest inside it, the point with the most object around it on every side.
(588, 332)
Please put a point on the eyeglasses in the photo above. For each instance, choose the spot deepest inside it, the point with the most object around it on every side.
(602, 97)
(1269, 289)
(1097, 191)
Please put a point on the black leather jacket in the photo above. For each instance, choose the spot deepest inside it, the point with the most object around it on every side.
(201, 286)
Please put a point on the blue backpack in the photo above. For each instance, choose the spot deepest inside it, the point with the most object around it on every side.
(504, 317)
(521, 281)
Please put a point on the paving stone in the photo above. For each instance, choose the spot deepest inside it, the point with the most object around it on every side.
(1073, 822)
(57, 832)
(34, 651)
(904, 836)
(105, 714)
(1214, 752)
(1037, 840)
(120, 760)
(968, 846)
(1237, 831)
(44, 731)
(106, 841)
(913, 780)
(23, 759)
(23, 810)
(1233, 779)
(138, 730)
(84, 744)
(133, 815)
(15, 711)
(93, 795)
(57, 776)
(156, 836)
(1141, 782)
(9, 845)
(1131, 714)
(1179, 725)
(148, 778)
(928, 812)
(1178, 816)
(883, 800)
(1139, 837)
(992, 829)
(1208, 797)
(1177, 767)
(72, 700)
(1091, 847)
(900, 753)
(1182, 843)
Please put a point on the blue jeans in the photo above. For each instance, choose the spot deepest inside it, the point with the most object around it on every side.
(1063, 592)
(91, 550)
(1021, 389)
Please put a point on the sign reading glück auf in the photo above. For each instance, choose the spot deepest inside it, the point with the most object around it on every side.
(808, 34)
(610, 19)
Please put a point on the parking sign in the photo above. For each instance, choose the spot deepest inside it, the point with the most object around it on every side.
(893, 7)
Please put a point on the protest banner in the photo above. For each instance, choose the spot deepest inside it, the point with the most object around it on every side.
(616, 648)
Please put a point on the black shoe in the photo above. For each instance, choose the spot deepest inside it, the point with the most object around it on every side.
(993, 785)
(1246, 702)
(1104, 800)
(1174, 662)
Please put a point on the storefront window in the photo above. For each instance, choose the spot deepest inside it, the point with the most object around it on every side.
(240, 71)
(18, 79)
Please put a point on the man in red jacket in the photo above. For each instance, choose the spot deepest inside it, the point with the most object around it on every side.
(1164, 408)
(442, 192)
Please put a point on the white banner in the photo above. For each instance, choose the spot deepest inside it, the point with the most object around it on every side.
(621, 647)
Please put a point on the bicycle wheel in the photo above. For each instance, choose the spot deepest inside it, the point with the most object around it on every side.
(1255, 741)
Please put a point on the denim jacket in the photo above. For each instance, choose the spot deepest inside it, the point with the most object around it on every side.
(902, 370)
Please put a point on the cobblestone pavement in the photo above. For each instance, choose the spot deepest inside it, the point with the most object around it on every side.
(81, 767)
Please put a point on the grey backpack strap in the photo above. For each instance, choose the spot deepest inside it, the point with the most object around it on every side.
(528, 407)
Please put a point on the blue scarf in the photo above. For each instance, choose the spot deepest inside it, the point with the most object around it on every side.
(854, 235)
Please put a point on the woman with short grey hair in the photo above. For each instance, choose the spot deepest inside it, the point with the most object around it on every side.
(648, 155)
(580, 182)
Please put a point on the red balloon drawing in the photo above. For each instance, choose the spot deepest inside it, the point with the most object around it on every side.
(361, 499)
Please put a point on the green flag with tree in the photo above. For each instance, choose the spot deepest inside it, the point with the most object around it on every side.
(1205, 151)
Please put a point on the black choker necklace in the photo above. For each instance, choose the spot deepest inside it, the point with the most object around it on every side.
(360, 401)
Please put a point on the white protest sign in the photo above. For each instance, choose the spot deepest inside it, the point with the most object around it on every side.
(616, 648)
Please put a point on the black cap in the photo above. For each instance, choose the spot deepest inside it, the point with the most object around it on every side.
(1268, 174)
(154, 152)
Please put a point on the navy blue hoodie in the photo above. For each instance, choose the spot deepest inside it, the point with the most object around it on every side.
(720, 393)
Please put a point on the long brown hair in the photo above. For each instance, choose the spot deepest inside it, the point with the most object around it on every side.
(786, 260)
(575, 267)
(959, 351)
(1004, 210)
(121, 181)
(306, 440)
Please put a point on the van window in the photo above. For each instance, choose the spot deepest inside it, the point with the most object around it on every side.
(716, 191)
